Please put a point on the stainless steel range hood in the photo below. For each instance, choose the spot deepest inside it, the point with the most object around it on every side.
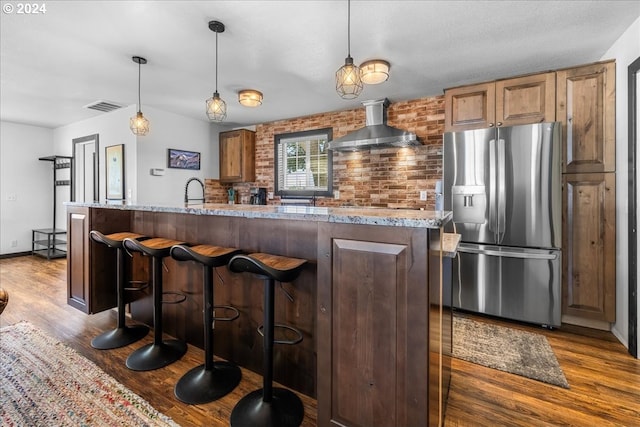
(376, 133)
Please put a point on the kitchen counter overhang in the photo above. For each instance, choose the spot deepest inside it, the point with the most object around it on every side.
(341, 215)
(366, 266)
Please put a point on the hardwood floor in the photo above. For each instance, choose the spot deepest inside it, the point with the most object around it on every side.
(604, 382)
(604, 378)
(38, 293)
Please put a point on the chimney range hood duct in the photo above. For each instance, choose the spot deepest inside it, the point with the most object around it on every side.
(376, 133)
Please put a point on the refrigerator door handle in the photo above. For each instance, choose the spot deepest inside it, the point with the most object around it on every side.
(502, 191)
(493, 221)
(505, 253)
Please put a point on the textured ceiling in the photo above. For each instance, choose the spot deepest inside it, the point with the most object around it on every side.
(54, 63)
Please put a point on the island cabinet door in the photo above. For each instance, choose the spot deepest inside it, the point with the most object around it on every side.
(78, 227)
(372, 326)
(91, 266)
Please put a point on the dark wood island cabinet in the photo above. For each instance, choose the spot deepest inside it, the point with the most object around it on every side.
(369, 302)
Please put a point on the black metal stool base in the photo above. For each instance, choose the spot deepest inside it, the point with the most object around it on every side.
(284, 410)
(154, 356)
(203, 386)
(119, 337)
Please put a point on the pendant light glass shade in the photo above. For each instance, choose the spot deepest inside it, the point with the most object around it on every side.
(374, 72)
(348, 80)
(216, 108)
(250, 98)
(138, 124)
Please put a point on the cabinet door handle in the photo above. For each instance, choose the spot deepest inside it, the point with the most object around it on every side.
(490, 125)
(499, 123)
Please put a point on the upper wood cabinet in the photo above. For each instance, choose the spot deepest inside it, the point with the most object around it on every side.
(586, 108)
(516, 101)
(237, 156)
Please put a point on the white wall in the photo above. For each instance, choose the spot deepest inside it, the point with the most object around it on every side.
(167, 130)
(170, 130)
(30, 180)
(625, 50)
(112, 129)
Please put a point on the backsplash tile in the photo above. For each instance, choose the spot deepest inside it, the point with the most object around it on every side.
(390, 177)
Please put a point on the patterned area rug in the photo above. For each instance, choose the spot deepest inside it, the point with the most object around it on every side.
(510, 350)
(46, 383)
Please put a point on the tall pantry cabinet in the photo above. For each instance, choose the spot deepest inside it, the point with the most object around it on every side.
(583, 99)
(586, 107)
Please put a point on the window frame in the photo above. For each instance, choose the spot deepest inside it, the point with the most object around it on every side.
(276, 164)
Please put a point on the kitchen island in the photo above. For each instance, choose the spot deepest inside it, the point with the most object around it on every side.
(369, 302)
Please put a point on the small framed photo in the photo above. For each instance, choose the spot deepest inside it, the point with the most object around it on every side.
(182, 159)
(114, 157)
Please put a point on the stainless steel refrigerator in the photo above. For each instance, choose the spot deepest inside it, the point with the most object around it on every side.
(504, 188)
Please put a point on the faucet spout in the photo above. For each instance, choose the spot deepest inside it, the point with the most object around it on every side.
(186, 189)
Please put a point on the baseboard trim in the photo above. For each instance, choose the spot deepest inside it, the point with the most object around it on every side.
(15, 254)
(587, 323)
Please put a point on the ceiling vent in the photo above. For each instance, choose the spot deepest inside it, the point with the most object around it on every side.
(104, 106)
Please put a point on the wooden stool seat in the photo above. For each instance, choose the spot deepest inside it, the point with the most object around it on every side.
(211, 380)
(122, 335)
(276, 267)
(154, 247)
(269, 406)
(114, 240)
(211, 256)
(159, 353)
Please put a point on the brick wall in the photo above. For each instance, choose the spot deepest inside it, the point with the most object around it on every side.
(385, 178)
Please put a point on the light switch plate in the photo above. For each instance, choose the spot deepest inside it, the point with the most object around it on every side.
(423, 195)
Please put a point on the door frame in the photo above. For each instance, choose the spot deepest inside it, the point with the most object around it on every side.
(95, 138)
(634, 110)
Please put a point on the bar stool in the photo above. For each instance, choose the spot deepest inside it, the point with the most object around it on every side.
(122, 335)
(160, 352)
(269, 406)
(212, 380)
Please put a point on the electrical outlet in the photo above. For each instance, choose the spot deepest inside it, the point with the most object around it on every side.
(336, 194)
(14, 243)
(12, 197)
(423, 195)
(270, 195)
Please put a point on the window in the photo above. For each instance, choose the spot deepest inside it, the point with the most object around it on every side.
(303, 164)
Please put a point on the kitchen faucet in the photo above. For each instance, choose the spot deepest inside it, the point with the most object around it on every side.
(186, 190)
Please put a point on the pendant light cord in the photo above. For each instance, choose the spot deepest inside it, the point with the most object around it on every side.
(216, 62)
(349, 28)
(139, 102)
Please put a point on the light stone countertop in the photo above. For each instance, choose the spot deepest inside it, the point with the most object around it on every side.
(450, 242)
(344, 215)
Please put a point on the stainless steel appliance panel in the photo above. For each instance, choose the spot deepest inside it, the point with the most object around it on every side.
(468, 186)
(529, 185)
(514, 283)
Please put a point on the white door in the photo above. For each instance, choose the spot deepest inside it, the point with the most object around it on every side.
(85, 175)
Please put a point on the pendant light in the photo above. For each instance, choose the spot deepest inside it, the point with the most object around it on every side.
(348, 81)
(138, 124)
(216, 107)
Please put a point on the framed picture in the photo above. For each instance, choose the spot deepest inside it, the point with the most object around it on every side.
(182, 159)
(114, 157)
